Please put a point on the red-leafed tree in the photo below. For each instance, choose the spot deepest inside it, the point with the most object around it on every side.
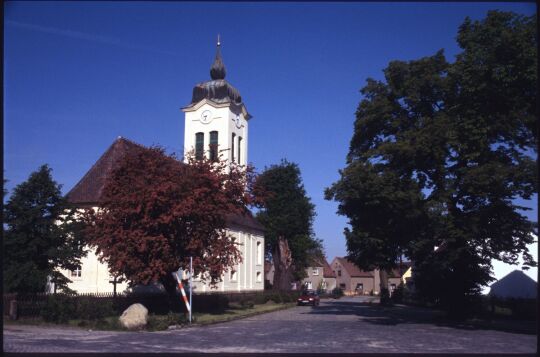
(156, 212)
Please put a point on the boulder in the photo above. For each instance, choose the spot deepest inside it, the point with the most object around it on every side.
(135, 317)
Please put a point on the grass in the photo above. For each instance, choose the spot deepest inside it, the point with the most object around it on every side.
(162, 322)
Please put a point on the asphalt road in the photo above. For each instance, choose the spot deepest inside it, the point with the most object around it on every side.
(339, 326)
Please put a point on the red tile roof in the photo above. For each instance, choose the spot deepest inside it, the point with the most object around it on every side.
(327, 270)
(353, 270)
(89, 189)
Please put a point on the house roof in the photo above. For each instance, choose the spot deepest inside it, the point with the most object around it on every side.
(89, 189)
(353, 270)
(327, 270)
(515, 285)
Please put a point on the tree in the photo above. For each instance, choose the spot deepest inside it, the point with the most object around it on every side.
(458, 141)
(157, 212)
(287, 215)
(41, 237)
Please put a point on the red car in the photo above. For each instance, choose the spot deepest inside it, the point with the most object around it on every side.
(309, 298)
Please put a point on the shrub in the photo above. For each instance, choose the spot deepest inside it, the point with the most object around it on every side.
(337, 292)
(247, 304)
(58, 308)
(397, 295)
(94, 309)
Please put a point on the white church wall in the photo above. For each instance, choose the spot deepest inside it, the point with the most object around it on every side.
(94, 276)
(245, 272)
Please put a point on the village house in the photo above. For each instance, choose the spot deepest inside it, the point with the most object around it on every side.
(355, 281)
(319, 276)
(216, 121)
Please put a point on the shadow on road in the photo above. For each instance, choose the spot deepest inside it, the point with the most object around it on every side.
(401, 314)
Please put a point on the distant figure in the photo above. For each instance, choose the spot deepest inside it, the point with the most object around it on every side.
(515, 285)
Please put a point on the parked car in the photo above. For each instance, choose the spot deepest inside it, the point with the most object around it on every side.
(309, 297)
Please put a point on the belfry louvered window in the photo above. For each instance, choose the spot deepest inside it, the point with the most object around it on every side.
(199, 146)
(239, 146)
(214, 145)
(232, 146)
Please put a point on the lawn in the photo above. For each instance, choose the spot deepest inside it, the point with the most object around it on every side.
(162, 322)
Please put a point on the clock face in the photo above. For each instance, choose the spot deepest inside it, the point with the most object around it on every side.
(206, 117)
(237, 121)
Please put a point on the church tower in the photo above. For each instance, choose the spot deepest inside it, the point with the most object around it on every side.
(216, 120)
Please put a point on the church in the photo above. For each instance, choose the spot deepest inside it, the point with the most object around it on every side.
(216, 121)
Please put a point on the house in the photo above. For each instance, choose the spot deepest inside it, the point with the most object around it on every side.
(515, 285)
(355, 281)
(216, 120)
(319, 276)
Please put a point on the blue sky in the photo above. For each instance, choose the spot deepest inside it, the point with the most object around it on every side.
(79, 74)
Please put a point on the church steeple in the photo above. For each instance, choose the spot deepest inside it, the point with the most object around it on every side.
(217, 71)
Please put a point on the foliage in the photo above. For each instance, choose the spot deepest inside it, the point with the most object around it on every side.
(59, 308)
(42, 235)
(439, 155)
(287, 213)
(157, 212)
(90, 309)
(337, 292)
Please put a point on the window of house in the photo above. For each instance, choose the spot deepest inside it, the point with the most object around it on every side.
(232, 276)
(259, 276)
(213, 145)
(77, 272)
(315, 271)
(199, 146)
(239, 146)
(232, 146)
(359, 286)
(309, 285)
(342, 286)
(339, 273)
(259, 253)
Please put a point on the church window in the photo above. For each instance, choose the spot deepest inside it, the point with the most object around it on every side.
(259, 253)
(199, 146)
(259, 276)
(232, 146)
(239, 146)
(233, 275)
(213, 145)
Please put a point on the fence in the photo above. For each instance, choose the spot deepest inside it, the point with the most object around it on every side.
(32, 305)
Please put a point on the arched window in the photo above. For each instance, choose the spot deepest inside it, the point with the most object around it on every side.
(239, 146)
(232, 146)
(199, 146)
(213, 145)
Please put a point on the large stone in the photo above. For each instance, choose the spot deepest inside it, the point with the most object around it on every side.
(135, 317)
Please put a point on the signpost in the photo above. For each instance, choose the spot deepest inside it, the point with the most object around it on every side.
(190, 286)
(189, 303)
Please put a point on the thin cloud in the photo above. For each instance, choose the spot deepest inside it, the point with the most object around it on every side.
(112, 41)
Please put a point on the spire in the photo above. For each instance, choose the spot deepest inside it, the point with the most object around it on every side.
(217, 71)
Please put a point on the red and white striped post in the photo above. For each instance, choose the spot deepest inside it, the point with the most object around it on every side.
(181, 286)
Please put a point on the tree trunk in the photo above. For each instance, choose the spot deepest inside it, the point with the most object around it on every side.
(282, 265)
(384, 294)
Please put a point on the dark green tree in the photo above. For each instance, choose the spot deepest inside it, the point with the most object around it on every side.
(287, 215)
(458, 142)
(41, 235)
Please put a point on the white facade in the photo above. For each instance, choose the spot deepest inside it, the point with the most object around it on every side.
(207, 116)
(248, 274)
(93, 276)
